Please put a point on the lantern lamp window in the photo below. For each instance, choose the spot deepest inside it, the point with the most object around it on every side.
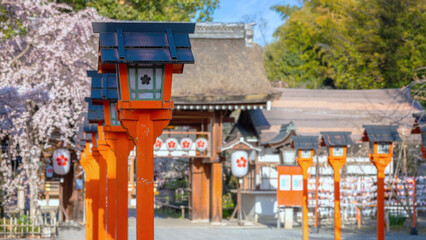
(146, 82)
(382, 148)
(305, 154)
(338, 151)
(113, 114)
(289, 156)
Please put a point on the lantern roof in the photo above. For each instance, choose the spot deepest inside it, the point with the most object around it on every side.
(305, 142)
(103, 87)
(90, 128)
(239, 144)
(82, 137)
(419, 125)
(95, 113)
(144, 42)
(380, 133)
(331, 139)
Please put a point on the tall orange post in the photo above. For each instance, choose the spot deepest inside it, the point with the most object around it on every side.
(144, 126)
(110, 160)
(337, 162)
(305, 164)
(380, 157)
(92, 195)
(84, 162)
(101, 201)
(144, 99)
(381, 161)
(316, 224)
(121, 145)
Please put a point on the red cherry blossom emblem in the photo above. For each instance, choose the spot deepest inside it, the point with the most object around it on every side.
(172, 144)
(241, 162)
(186, 144)
(200, 144)
(158, 143)
(61, 160)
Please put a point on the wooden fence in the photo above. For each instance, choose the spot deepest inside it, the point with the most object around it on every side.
(24, 227)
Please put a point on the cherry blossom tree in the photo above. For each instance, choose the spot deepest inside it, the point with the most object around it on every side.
(45, 50)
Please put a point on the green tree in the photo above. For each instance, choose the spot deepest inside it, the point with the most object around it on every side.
(354, 44)
(150, 10)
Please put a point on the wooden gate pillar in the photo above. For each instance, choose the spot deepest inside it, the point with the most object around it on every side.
(216, 169)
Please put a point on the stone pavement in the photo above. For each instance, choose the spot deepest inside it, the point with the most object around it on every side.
(183, 229)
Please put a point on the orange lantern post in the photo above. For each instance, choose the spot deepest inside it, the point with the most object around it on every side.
(419, 127)
(92, 195)
(145, 56)
(305, 146)
(380, 138)
(95, 115)
(337, 144)
(84, 161)
(110, 164)
(121, 146)
(115, 147)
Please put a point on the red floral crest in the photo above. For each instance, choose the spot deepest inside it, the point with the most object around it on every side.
(241, 162)
(171, 144)
(158, 143)
(200, 144)
(61, 160)
(186, 144)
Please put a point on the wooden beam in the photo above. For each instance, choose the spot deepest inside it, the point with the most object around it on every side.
(192, 114)
(216, 169)
(200, 190)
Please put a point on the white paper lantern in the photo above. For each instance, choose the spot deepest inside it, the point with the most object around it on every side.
(186, 144)
(61, 161)
(239, 163)
(171, 144)
(49, 171)
(201, 144)
(158, 144)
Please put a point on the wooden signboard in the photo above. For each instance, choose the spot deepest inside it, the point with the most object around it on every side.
(290, 186)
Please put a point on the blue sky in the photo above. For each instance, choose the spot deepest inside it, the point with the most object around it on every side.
(253, 11)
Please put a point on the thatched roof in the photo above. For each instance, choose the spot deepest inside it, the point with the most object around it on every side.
(316, 110)
(226, 70)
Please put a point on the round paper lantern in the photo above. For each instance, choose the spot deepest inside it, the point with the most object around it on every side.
(49, 171)
(201, 144)
(158, 144)
(171, 144)
(61, 161)
(186, 144)
(239, 163)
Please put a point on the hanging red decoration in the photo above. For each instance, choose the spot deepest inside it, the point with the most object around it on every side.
(61, 161)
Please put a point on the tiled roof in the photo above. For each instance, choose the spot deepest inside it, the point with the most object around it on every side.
(317, 110)
(336, 138)
(284, 132)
